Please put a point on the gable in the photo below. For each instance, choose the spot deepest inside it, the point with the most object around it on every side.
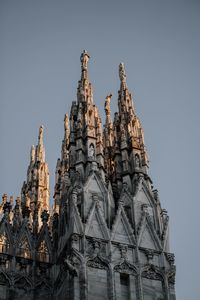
(75, 225)
(147, 240)
(122, 231)
(95, 228)
(94, 184)
(96, 224)
(148, 237)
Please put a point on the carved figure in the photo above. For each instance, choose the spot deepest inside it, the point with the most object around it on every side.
(40, 134)
(107, 104)
(84, 60)
(122, 73)
(137, 161)
(66, 122)
(91, 151)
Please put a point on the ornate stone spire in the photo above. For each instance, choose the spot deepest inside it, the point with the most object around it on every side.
(108, 137)
(35, 190)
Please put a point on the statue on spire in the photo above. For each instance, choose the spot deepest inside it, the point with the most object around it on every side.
(122, 73)
(40, 137)
(84, 60)
(66, 122)
(107, 104)
(32, 153)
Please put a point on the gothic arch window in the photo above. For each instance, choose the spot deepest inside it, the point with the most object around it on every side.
(43, 252)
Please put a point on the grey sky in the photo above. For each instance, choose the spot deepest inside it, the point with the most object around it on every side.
(159, 42)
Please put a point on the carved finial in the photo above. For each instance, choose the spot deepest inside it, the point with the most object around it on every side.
(107, 104)
(122, 73)
(84, 60)
(40, 137)
(32, 153)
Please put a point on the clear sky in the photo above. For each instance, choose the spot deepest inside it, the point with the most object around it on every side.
(159, 42)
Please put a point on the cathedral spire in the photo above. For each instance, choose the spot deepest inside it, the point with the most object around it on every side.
(108, 137)
(35, 190)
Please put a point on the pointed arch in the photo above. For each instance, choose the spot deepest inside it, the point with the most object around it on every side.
(24, 248)
(4, 278)
(6, 239)
(126, 267)
(44, 245)
(23, 283)
(24, 243)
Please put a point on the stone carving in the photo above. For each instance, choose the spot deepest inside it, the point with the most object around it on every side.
(107, 104)
(125, 267)
(122, 73)
(40, 138)
(97, 263)
(151, 273)
(149, 254)
(171, 277)
(123, 250)
(170, 258)
(91, 152)
(84, 60)
(137, 161)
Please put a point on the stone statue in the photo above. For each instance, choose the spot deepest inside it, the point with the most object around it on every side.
(107, 104)
(137, 161)
(66, 122)
(40, 138)
(84, 60)
(122, 73)
(91, 151)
